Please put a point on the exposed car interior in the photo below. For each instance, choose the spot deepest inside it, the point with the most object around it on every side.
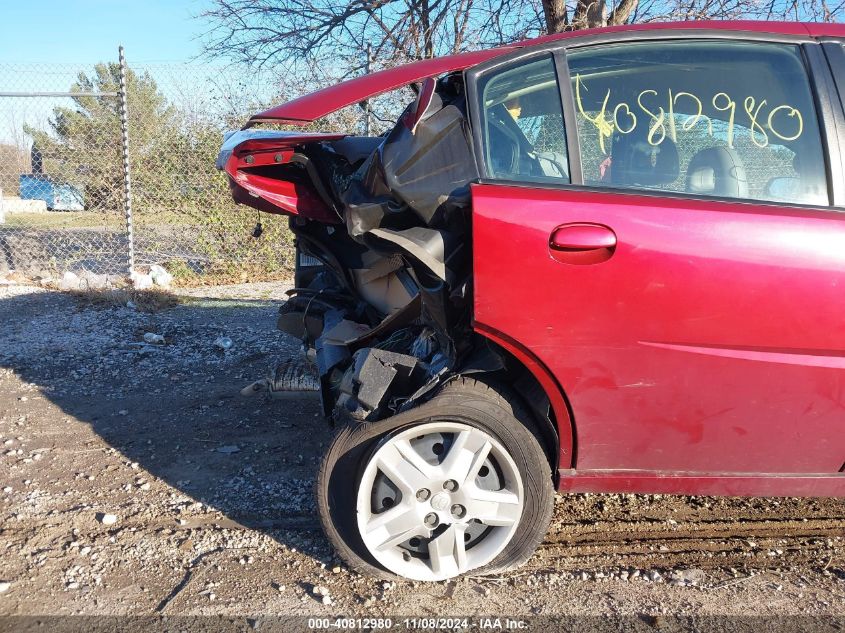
(523, 103)
(636, 162)
(717, 171)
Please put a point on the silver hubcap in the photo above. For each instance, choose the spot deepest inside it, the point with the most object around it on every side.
(438, 500)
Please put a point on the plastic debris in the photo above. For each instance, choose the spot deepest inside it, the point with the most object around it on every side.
(153, 339)
(160, 276)
(141, 281)
(254, 388)
(93, 281)
(425, 344)
(70, 281)
(224, 343)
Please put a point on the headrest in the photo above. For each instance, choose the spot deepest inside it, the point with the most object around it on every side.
(717, 171)
(638, 162)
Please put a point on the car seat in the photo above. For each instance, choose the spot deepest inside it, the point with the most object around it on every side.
(640, 163)
(503, 145)
(717, 171)
(511, 153)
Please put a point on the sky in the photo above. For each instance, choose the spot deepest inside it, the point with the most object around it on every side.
(89, 31)
(44, 44)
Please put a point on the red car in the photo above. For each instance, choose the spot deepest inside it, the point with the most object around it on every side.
(604, 261)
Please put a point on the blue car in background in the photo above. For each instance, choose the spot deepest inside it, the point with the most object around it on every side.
(59, 196)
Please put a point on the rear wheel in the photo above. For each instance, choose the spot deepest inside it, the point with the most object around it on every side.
(459, 484)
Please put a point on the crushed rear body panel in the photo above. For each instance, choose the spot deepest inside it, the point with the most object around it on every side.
(386, 312)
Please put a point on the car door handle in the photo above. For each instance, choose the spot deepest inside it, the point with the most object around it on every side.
(582, 243)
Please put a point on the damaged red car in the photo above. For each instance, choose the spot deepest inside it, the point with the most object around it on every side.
(600, 261)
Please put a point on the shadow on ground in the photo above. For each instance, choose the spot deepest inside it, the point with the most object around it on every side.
(174, 411)
(212, 493)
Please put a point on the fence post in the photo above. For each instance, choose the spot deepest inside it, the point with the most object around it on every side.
(127, 184)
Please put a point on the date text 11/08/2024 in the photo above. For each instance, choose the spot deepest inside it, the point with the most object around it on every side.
(412, 624)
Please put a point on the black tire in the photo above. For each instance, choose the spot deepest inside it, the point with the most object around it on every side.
(464, 400)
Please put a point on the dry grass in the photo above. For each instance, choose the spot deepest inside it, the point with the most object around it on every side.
(152, 300)
(65, 220)
(222, 276)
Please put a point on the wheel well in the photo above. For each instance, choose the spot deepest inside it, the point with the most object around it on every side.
(518, 382)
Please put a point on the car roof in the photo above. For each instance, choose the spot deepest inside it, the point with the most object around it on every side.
(316, 105)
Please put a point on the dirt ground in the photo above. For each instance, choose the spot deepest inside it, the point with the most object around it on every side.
(211, 493)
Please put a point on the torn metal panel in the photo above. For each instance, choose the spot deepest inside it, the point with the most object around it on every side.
(436, 308)
(395, 321)
(425, 170)
(430, 169)
(425, 245)
(344, 332)
(292, 322)
(377, 267)
(329, 353)
(386, 307)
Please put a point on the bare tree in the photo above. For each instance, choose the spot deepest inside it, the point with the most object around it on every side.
(598, 13)
(333, 35)
(330, 37)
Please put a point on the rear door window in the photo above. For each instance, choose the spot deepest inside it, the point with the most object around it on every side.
(709, 118)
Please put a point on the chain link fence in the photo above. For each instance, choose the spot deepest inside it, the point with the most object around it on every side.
(67, 155)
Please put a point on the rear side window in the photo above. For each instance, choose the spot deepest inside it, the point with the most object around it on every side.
(522, 123)
(726, 119)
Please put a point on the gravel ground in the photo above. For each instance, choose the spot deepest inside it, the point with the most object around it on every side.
(136, 480)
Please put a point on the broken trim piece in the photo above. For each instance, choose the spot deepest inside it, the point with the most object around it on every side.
(425, 245)
(400, 318)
